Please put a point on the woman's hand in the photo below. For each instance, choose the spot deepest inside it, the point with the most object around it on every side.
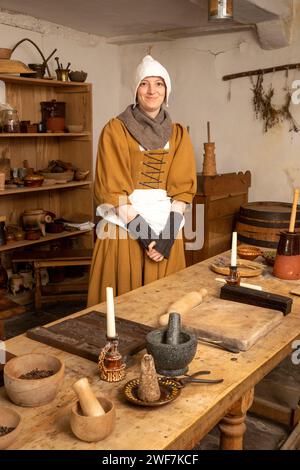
(153, 254)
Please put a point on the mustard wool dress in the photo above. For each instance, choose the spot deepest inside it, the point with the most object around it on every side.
(118, 260)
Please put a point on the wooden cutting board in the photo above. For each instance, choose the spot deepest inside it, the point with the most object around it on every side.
(85, 336)
(236, 324)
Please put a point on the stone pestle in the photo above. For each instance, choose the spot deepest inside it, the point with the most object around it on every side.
(174, 328)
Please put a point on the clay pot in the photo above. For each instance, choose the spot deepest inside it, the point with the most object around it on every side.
(56, 124)
(39, 69)
(32, 392)
(33, 235)
(33, 181)
(34, 220)
(10, 419)
(27, 278)
(93, 428)
(287, 261)
(16, 284)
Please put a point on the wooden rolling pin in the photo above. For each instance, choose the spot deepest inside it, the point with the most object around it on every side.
(183, 305)
(90, 406)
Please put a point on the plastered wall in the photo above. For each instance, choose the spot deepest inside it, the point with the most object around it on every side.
(199, 95)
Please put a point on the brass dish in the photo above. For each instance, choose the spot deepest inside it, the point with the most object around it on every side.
(246, 268)
(169, 390)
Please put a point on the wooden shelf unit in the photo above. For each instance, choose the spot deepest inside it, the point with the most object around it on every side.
(48, 238)
(5, 135)
(65, 200)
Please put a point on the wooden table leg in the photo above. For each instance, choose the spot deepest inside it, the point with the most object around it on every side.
(2, 330)
(232, 426)
(38, 287)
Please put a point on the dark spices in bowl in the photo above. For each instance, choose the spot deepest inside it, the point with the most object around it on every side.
(5, 430)
(36, 374)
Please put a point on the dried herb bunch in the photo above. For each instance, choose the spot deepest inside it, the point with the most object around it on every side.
(265, 110)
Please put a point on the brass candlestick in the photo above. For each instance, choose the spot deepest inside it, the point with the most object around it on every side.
(110, 362)
(233, 279)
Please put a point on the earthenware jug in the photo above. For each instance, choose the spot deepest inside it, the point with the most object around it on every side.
(287, 261)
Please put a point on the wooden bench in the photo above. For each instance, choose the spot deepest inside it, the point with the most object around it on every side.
(48, 259)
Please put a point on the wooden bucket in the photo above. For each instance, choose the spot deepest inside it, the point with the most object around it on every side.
(260, 223)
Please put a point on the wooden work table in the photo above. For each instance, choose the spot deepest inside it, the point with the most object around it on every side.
(182, 423)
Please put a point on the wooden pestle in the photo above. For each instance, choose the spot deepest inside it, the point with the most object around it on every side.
(294, 211)
(183, 305)
(90, 406)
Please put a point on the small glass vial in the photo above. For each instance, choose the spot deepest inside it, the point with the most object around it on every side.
(11, 123)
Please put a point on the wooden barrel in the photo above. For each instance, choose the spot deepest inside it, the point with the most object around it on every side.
(260, 223)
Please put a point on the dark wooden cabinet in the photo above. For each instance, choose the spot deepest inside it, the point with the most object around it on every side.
(222, 195)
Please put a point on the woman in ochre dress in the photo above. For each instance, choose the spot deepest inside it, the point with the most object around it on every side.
(145, 177)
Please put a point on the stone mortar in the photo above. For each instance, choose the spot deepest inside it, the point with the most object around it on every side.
(171, 360)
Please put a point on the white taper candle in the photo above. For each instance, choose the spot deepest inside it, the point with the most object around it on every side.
(110, 313)
(233, 249)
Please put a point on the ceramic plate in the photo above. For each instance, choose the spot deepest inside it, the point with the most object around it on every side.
(168, 388)
(246, 268)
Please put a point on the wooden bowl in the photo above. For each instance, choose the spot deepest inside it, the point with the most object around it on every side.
(90, 428)
(248, 252)
(63, 176)
(11, 419)
(32, 392)
(5, 53)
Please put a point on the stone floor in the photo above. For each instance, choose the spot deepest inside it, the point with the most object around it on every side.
(261, 434)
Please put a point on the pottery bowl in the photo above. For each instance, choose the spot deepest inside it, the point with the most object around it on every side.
(33, 181)
(10, 419)
(77, 76)
(39, 69)
(81, 174)
(171, 360)
(269, 256)
(248, 252)
(93, 428)
(32, 392)
(75, 128)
